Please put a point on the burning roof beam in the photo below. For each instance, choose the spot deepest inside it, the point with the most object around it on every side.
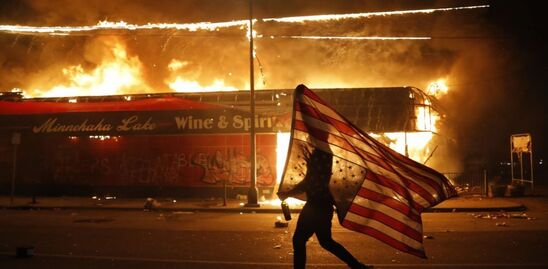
(208, 26)
(357, 38)
(369, 14)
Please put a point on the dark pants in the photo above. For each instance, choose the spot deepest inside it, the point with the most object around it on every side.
(317, 220)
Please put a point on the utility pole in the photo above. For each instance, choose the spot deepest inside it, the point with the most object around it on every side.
(15, 141)
(252, 193)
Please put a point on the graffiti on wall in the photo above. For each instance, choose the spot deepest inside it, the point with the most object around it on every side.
(201, 166)
(234, 167)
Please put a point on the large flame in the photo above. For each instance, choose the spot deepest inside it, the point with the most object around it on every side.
(180, 83)
(117, 73)
(437, 88)
(416, 145)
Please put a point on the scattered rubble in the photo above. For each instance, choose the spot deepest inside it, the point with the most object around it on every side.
(281, 224)
(151, 204)
(503, 215)
(93, 220)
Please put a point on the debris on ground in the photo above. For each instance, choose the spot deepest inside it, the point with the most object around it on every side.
(281, 224)
(503, 216)
(183, 212)
(151, 204)
(277, 246)
(428, 237)
(93, 220)
(502, 224)
(173, 216)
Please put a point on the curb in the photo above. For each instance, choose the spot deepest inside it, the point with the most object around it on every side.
(159, 209)
(249, 209)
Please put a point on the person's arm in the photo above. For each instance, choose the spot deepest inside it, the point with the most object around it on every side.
(298, 189)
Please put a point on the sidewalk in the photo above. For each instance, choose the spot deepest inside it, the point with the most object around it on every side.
(458, 204)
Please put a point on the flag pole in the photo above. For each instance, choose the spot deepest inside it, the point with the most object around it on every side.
(252, 193)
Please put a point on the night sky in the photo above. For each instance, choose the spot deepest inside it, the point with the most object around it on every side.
(494, 59)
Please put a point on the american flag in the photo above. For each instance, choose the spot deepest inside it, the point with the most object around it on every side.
(377, 191)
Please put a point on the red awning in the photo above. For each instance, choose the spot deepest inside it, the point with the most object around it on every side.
(150, 104)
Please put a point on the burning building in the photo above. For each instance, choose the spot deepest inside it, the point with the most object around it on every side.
(180, 143)
(153, 109)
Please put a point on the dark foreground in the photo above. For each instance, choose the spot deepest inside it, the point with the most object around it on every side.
(134, 239)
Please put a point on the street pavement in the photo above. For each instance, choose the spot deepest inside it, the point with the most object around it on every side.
(137, 239)
(461, 203)
(96, 232)
(457, 204)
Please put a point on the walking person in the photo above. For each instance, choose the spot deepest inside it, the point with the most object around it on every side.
(317, 213)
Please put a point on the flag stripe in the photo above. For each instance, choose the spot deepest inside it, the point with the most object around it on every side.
(323, 124)
(390, 202)
(383, 190)
(327, 117)
(386, 178)
(325, 146)
(340, 142)
(405, 171)
(387, 220)
(383, 238)
(423, 190)
(308, 93)
(302, 121)
(392, 157)
(373, 148)
(383, 228)
(417, 205)
(326, 126)
(324, 136)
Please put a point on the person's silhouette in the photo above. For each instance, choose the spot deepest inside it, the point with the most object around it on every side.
(317, 213)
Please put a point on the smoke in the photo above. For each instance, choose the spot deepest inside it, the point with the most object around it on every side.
(460, 51)
(224, 54)
(86, 12)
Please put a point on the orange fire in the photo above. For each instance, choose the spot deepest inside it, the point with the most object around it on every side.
(416, 145)
(437, 88)
(180, 83)
(117, 73)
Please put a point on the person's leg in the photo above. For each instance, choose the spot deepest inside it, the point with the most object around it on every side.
(323, 233)
(304, 230)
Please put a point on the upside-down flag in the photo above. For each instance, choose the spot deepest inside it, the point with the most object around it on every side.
(376, 191)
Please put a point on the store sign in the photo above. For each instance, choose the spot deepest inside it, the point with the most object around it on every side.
(146, 122)
(521, 143)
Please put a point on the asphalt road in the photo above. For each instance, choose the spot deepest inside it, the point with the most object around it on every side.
(133, 239)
